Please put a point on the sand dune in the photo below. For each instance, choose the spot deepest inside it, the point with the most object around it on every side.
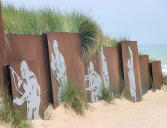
(151, 112)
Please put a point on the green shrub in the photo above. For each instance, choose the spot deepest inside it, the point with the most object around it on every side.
(73, 98)
(165, 80)
(11, 116)
(106, 94)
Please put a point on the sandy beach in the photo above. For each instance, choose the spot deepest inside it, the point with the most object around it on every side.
(151, 112)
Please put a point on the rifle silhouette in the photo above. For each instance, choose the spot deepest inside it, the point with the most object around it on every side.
(19, 79)
(54, 75)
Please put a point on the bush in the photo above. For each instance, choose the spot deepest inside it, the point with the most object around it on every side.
(11, 116)
(165, 80)
(73, 98)
(106, 94)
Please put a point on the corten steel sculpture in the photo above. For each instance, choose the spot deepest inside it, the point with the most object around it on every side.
(58, 68)
(94, 83)
(131, 70)
(94, 76)
(113, 59)
(106, 80)
(26, 88)
(157, 74)
(33, 48)
(65, 55)
(145, 74)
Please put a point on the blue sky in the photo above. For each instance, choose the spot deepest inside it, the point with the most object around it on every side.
(141, 20)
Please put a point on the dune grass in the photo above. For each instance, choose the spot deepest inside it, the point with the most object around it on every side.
(106, 94)
(112, 42)
(165, 80)
(23, 21)
(12, 117)
(123, 91)
(73, 98)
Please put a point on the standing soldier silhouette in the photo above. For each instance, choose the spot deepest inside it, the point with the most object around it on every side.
(94, 83)
(105, 70)
(31, 93)
(131, 74)
(58, 67)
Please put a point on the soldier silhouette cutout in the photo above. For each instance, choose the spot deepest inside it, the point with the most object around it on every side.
(105, 70)
(31, 93)
(131, 75)
(94, 83)
(58, 68)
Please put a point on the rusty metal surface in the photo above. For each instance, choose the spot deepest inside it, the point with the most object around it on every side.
(112, 55)
(70, 53)
(33, 48)
(97, 63)
(25, 83)
(157, 74)
(3, 53)
(145, 74)
(131, 70)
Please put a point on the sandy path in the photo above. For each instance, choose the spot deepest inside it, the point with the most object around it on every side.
(149, 113)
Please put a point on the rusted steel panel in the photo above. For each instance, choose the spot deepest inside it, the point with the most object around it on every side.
(3, 53)
(112, 55)
(26, 88)
(65, 63)
(145, 74)
(94, 76)
(157, 74)
(131, 70)
(33, 48)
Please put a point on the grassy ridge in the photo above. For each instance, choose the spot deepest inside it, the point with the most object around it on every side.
(22, 21)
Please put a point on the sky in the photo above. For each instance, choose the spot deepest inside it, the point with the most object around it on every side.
(142, 20)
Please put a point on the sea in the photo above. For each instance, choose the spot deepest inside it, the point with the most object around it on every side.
(155, 52)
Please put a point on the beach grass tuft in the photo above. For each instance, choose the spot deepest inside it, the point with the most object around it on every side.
(106, 94)
(73, 98)
(12, 117)
(165, 80)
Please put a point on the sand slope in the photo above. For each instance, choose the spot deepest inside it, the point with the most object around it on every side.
(149, 113)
